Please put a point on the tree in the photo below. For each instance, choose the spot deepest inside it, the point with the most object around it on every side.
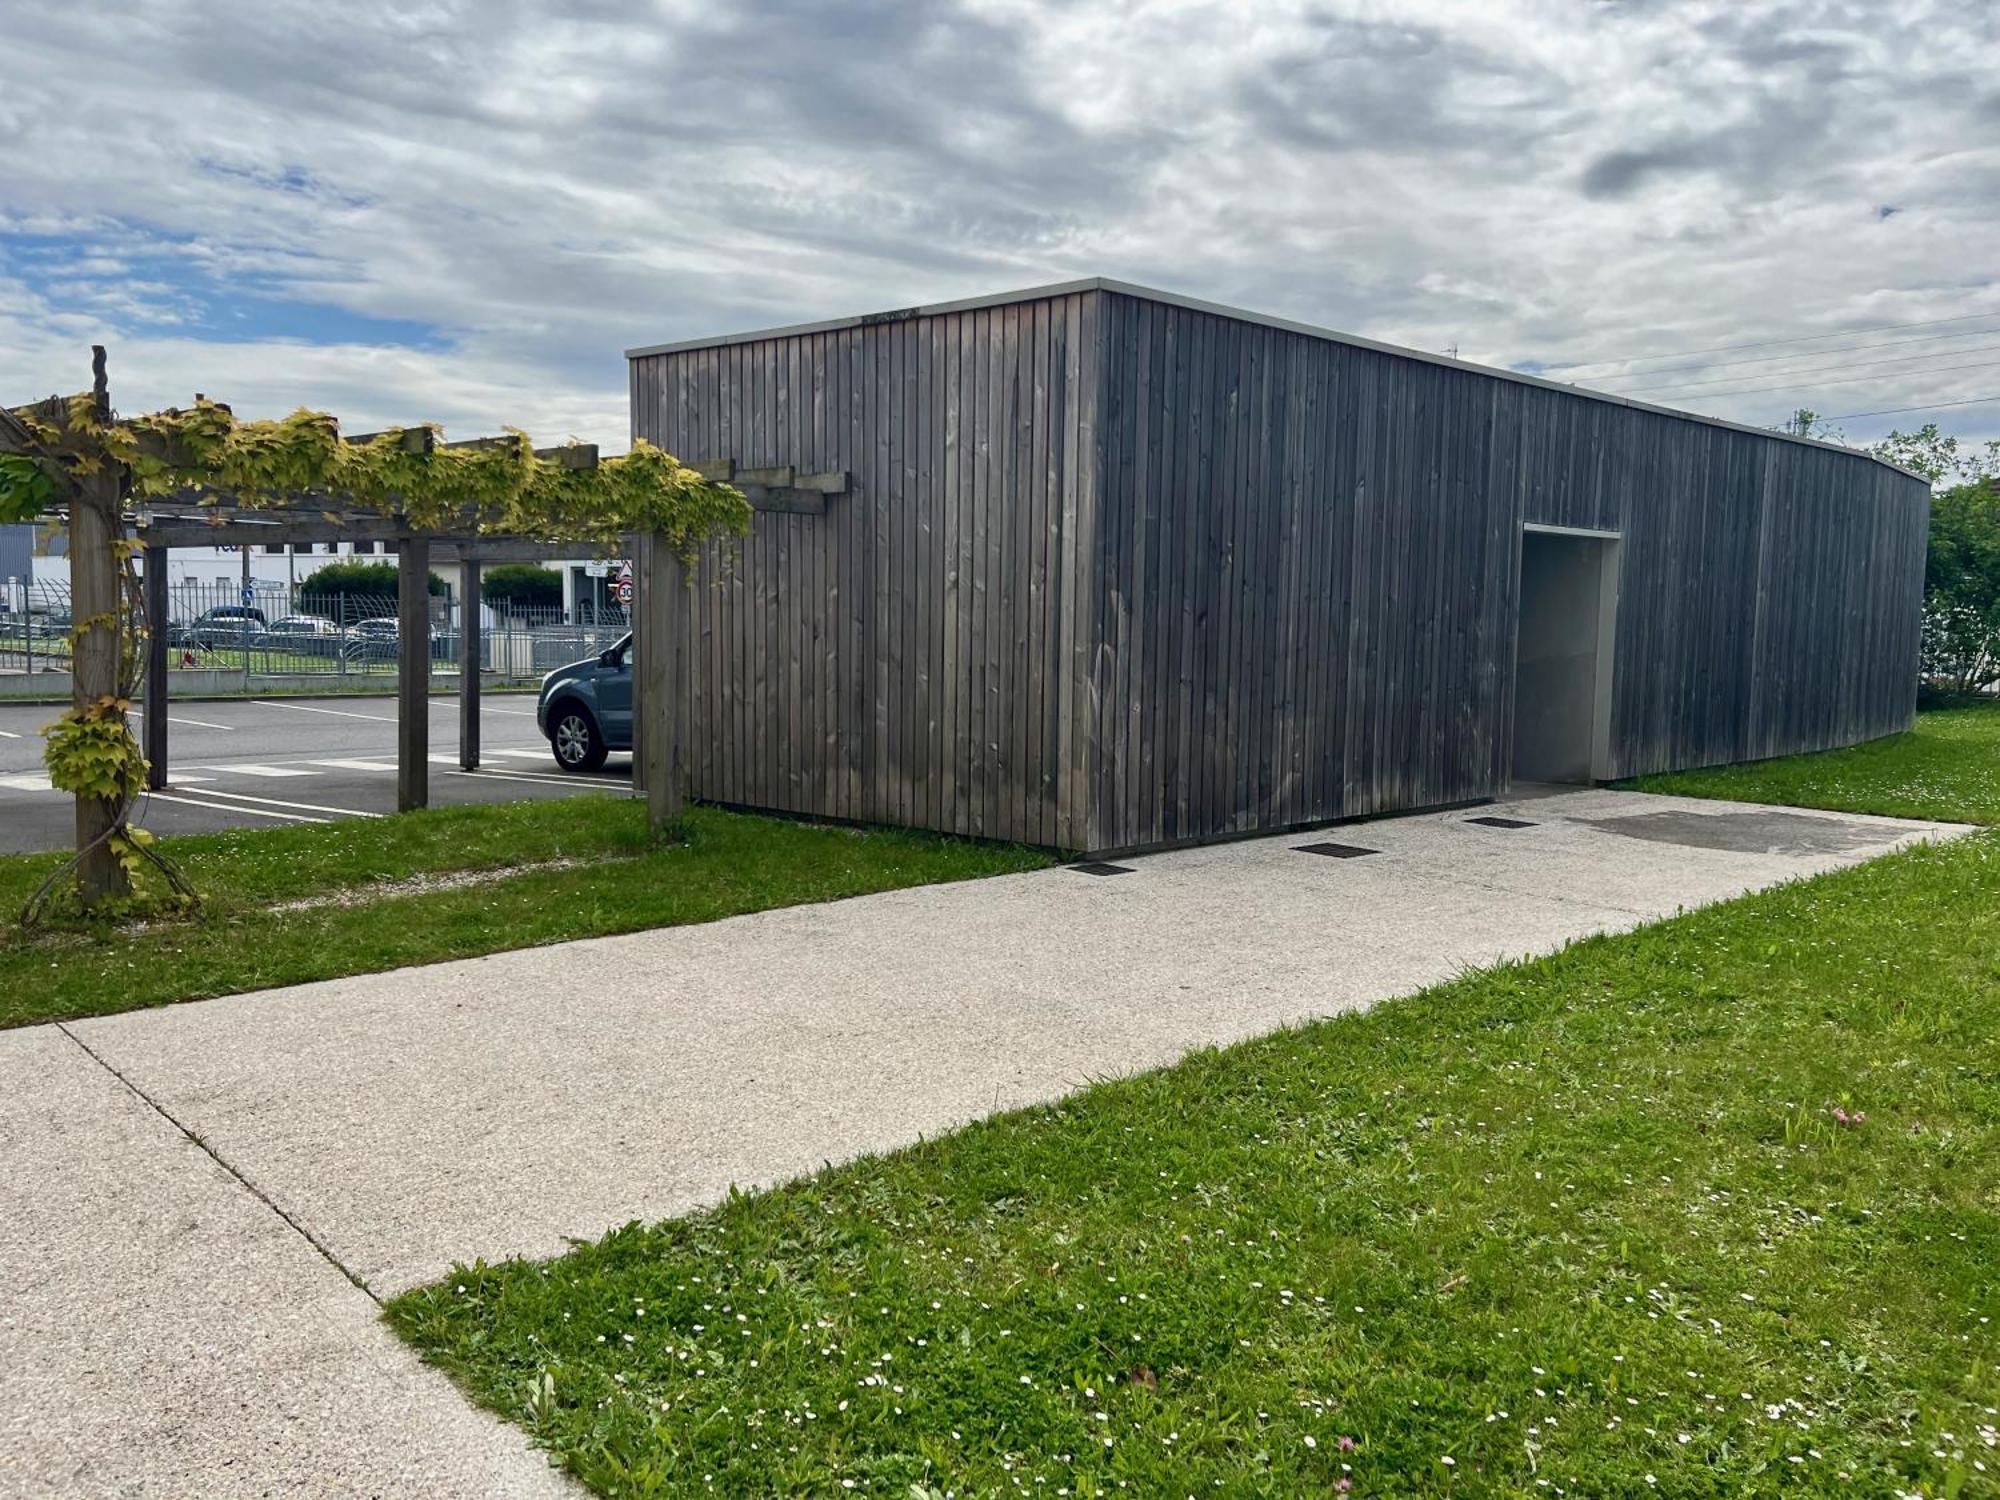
(359, 580)
(1961, 637)
(1961, 650)
(1938, 457)
(528, 584)
(1807, 423)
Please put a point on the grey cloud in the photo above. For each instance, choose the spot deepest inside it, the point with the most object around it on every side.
(551, 180)
(1617, 173)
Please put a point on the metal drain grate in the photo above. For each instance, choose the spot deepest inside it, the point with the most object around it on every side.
(1500, 822)
(1334, 851)
(1099, 867)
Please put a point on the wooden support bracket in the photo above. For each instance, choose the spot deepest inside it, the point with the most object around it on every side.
(779, 488)
(789, 502)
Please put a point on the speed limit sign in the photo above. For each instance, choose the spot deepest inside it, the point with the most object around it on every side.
(624, 588)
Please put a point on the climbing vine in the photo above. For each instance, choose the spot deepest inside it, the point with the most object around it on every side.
(500, 487)
(203, 452)
(91, 753)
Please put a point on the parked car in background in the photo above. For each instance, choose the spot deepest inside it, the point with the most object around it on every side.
(585, 708)
(309, 635)
(372, 640)
(226, 626)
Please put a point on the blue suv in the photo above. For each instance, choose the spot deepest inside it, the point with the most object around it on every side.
(586, 708)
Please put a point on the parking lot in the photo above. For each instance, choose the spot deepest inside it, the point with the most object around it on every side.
(265, 763)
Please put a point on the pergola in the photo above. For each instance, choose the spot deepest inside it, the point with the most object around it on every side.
(203, 520)
(91, 493)
(660, 660)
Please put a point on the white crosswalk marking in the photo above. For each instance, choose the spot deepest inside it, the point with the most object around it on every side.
(230, 807)
(236, 797)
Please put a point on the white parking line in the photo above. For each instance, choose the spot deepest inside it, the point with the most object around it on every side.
(140, 713)
(255, 812)
(8, 734)
(306, 708)
(247, 769)
(355, 765)
(521, 754)
(28, 782)
(352, 812)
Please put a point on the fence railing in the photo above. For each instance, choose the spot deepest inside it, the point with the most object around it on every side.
(275, 631)
(34, 627)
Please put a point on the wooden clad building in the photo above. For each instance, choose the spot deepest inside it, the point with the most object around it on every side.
(1114, 569)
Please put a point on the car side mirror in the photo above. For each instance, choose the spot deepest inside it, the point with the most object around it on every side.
(608, 657)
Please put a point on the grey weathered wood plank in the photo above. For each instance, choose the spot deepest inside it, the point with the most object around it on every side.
(1112, 571)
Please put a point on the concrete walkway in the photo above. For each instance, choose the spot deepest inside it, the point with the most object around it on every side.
(185, 1193)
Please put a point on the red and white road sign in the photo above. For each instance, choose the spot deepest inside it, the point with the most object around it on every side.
(624, 587)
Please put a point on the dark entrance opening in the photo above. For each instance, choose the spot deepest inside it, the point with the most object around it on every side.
(1563, 659)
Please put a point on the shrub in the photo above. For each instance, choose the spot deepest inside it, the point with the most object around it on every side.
(521, 584)
(357, 579)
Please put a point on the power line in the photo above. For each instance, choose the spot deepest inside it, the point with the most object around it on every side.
(1809, 338)
(1813, 385)
(1809, 371)
(1724, 364)
(1897, 411)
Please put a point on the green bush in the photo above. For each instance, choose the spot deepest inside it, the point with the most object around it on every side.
(521, 584)
(359, 578)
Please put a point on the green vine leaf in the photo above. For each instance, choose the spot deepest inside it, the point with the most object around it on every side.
(25, 487)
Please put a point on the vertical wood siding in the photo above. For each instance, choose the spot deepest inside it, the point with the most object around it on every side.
(1335, 607)
(905, 657)
(1113, 573)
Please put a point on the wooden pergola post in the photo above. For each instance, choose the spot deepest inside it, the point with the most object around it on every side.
(96, 606)
(468, 663)
(413, 672)
(659, 678)
(155, 585)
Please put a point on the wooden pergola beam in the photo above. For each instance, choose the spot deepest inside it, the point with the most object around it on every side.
(493, 549)
(15, 437)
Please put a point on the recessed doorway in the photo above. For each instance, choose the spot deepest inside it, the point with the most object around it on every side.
(1564, 655)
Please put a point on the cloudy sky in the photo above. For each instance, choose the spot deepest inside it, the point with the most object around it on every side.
(465, 210)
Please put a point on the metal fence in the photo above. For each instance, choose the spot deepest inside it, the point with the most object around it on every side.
(277, 631)
(34, 627)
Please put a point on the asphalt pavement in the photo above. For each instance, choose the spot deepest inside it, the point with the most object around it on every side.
(269, 762)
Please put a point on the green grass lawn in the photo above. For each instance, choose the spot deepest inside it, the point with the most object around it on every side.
(619, 881)
(1583, 1226)
(1947, 767)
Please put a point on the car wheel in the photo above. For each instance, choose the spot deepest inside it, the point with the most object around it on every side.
(574, 737)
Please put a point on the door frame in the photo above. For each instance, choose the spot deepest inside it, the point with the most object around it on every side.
(1603, 678)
